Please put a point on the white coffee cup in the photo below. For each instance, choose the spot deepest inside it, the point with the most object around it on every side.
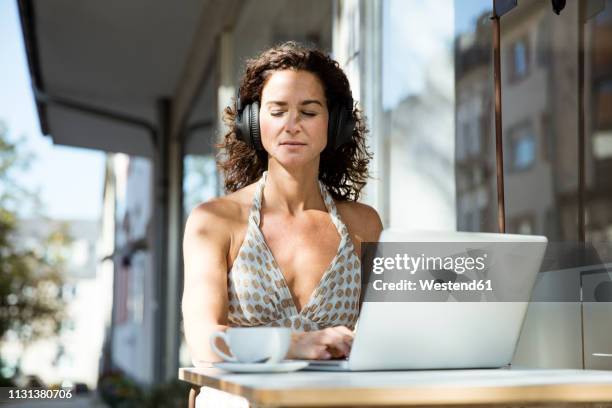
(252, 344)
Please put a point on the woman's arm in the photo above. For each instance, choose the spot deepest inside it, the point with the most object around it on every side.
(205, 246)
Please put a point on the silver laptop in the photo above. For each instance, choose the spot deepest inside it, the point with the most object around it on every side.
(453, 333)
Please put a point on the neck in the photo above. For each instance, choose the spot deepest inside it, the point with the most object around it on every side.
(292, 190)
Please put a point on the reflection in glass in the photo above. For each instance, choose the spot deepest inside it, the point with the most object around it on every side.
(542, 178)
(523, 152)
(199, 181)
(439, 108)
(522, 148)
(539, 108)
(519, 59)
(540, 121)
(418, 106)
(598, 50)
(474, 140)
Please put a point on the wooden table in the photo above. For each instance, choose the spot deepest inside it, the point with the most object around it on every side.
(501, 387)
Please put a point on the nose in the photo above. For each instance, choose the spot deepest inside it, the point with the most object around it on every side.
(292, 125)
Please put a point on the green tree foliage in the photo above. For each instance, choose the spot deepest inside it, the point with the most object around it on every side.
(31, 302)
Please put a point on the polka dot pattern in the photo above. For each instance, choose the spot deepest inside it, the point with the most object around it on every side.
(258, 294)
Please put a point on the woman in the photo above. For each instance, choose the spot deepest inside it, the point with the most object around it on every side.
(283, 247)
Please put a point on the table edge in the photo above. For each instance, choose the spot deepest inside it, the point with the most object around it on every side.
(421, 395)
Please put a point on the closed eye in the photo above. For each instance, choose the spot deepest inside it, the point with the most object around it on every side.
(280, 113)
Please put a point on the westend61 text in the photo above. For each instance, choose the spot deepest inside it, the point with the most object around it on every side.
(433, 285)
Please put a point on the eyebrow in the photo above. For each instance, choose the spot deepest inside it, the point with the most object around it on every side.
(305, 102)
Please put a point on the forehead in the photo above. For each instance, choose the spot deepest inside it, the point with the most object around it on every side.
(287, 84)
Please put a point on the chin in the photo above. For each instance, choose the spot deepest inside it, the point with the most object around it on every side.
(294, 161)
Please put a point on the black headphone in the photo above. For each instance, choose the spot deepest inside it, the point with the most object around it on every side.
(339, 129)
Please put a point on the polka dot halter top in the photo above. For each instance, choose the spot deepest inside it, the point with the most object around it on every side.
(258, 293)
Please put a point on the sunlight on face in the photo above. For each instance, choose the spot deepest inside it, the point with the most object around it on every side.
(293, 118)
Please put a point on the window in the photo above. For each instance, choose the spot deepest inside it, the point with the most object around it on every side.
(417, 95)
(523, 154)
(200, 182)
(519, 57)
(434, 86)
(522, 148)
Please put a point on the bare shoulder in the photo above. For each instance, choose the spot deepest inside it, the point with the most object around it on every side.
(361, 219)
(218, 217)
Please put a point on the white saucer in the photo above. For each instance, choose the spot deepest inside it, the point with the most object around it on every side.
(282, 367)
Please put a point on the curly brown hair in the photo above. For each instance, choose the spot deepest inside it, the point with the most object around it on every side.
(343, 171)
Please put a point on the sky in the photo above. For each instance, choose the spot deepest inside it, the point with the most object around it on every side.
(70, 180)
(466, 12)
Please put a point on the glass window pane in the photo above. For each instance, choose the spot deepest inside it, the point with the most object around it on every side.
(200, 180)
(436, 98)
(521, 148)
(534, 178)
(524, 152)
(598, 124)
(542, 160)
(418, 99)
(476, 204)
(520, 59)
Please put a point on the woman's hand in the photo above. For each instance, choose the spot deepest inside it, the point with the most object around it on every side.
(321, 344)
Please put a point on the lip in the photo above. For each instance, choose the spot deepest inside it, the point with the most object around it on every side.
(292, 143)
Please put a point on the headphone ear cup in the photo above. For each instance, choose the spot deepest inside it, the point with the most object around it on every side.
(247, 126)
(242, 132)
(254, 130)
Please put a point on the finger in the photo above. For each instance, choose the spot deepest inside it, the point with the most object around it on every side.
(337, 341)
(336, 353)
(345, 331)
(334, 340)
(340, 351)
(318, 353)
(329, 340)
(330, 337)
